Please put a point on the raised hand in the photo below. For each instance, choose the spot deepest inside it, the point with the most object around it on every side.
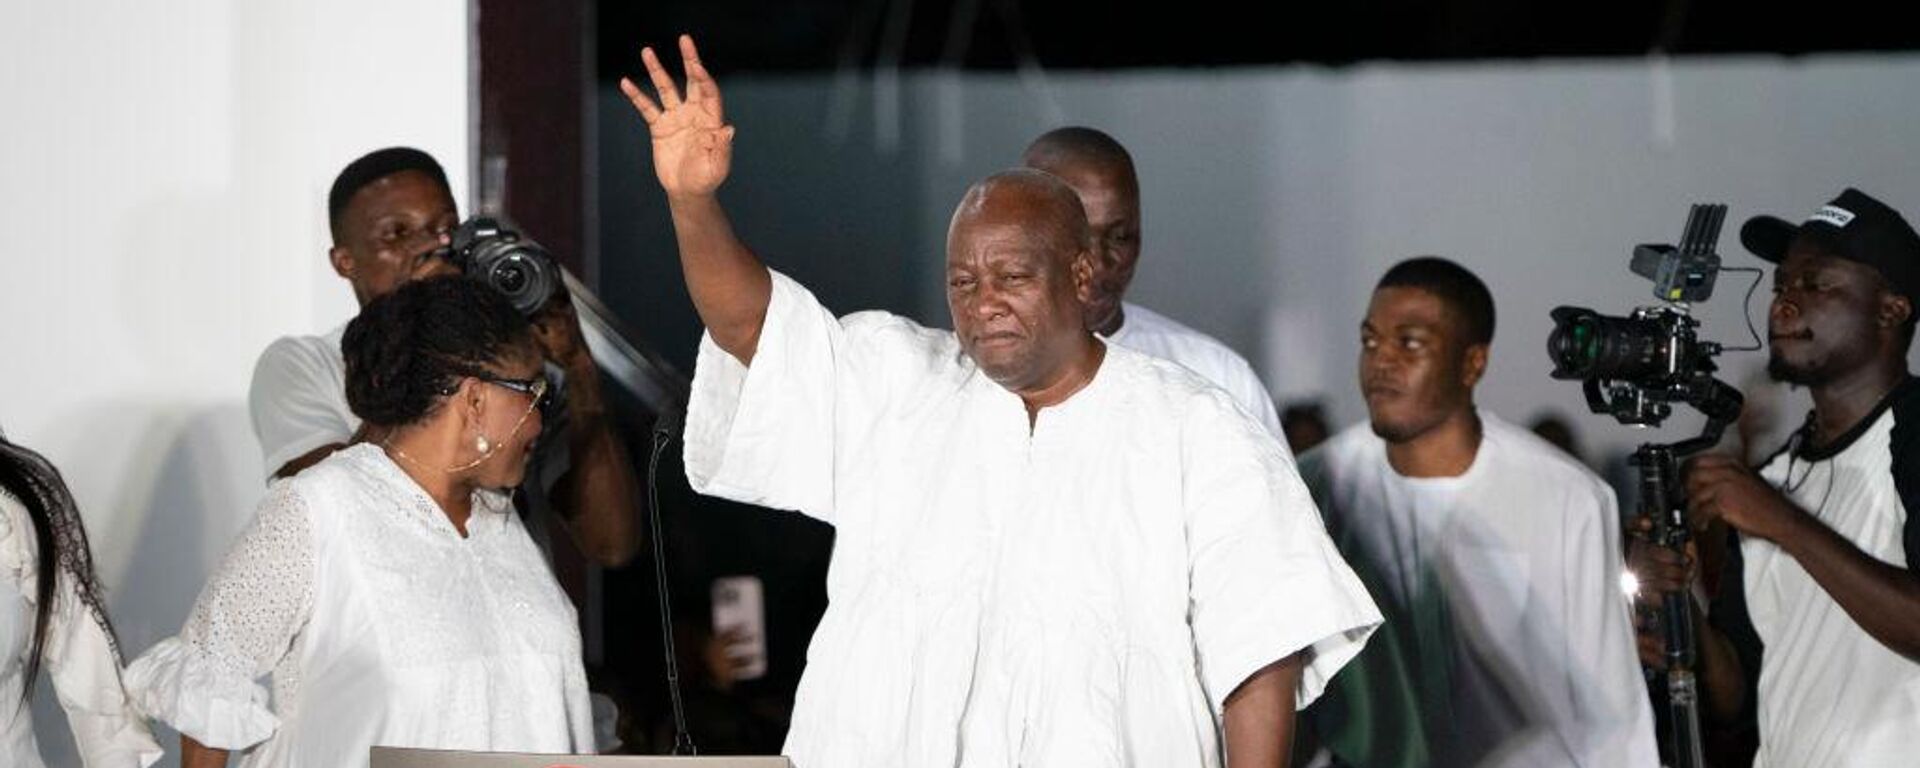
(692, 149)
(692, 143)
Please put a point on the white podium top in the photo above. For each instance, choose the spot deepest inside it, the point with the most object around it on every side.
(393, 757)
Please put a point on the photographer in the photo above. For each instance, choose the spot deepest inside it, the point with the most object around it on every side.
(1827, 548)
(389, 212)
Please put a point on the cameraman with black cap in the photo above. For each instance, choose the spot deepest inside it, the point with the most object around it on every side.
(1828, 562)
(391, 212)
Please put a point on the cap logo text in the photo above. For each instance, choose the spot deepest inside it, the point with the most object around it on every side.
(1833, 215)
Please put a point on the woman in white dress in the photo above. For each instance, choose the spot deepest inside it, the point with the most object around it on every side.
(390, 591)
(51, 619)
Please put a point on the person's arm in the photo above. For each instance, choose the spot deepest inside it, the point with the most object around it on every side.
(193, 754)
(692, 152)
(1274, 610)
(1720, 673)
(598, 496)
(300, 463)
(80, 659)
(1882, 598)
(205, 682)
(367, 433)
(293, 402)
(1723, 678)
(1259, 716)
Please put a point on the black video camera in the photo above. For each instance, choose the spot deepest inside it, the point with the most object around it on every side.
(1633, 368)
(494, 252)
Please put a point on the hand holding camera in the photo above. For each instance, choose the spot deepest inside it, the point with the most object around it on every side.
(497, 253)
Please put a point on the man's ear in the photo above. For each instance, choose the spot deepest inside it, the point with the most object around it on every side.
(1895, 309)
(342, 262)
(1476, 367)
(1082, 271)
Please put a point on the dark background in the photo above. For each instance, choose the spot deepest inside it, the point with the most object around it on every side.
(1083, 34)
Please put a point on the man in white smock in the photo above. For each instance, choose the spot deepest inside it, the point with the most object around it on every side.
(1495, 556)
(1049, 551)
(1101, 172)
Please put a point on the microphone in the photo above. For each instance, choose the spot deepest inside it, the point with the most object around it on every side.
(665, 427)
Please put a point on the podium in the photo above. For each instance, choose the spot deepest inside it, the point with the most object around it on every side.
(395, 757)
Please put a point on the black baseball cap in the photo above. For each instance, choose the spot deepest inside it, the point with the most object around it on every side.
(1853, 226)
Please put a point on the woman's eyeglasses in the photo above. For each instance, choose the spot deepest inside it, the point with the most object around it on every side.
(536, 387)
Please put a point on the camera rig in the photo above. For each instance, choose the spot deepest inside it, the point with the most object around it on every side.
(1634, 368)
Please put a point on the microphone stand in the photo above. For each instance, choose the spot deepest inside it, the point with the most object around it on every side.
(663, 389)
(663, 430)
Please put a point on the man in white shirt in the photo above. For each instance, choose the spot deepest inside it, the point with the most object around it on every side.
(1825, 570)
(1495, 557)
(1101, 172)
(1049, 550)
(389, 212)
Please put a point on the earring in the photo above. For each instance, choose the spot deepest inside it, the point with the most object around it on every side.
(481, 443)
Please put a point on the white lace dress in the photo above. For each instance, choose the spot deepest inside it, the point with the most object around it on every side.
(379, 624)
(78, 658)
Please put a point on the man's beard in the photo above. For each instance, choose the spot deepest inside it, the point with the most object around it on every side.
(1796, 375)
(1395, 433)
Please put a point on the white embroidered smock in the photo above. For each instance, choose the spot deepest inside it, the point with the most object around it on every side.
(379, 624)
(1086, 591)
(1165, 338)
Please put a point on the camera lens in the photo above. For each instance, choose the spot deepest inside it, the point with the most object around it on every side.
(510, 277)
(1575, 344)
(1588, 345)
(506, 261)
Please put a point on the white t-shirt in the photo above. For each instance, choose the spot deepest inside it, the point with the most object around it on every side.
(298, 398)
(1086, 592)
(1148, 331)
(1508, 641)
(78, 658)
(1830, 694)
(379, 624)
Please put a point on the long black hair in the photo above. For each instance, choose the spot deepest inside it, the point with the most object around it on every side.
(62, 542)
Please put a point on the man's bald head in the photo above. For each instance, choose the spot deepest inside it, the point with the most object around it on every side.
(1018, 273)
(1078, 145)
(1101, 173)
(1042, 203)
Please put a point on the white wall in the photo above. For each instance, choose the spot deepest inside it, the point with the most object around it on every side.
(163, 178)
